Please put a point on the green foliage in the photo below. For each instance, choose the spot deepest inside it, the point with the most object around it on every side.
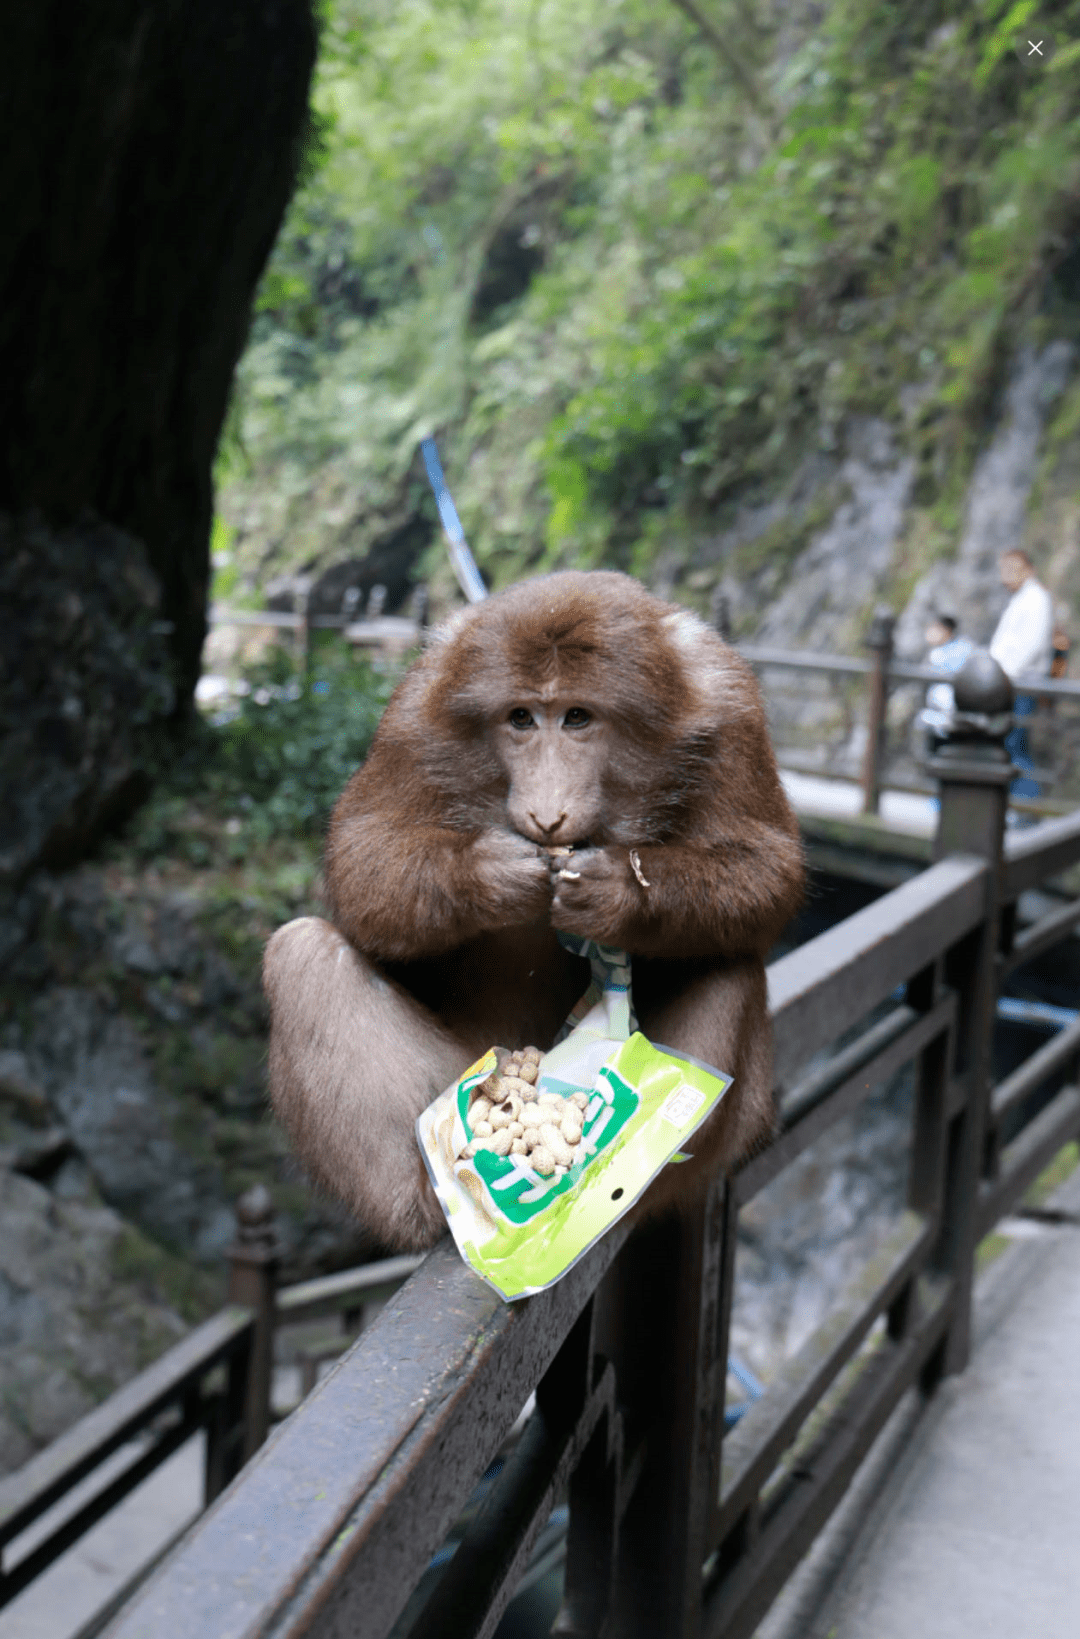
(560, 236)
(269, 770)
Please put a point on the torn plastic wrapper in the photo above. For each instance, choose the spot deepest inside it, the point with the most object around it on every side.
(521, 1231)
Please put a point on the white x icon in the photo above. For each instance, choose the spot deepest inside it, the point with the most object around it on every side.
(1036, 46)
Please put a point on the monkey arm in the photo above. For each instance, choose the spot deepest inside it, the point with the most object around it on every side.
(730, 895)
(402, 888)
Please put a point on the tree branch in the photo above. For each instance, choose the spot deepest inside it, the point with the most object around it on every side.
(732, 58)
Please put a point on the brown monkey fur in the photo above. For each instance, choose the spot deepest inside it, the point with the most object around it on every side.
(575, 709)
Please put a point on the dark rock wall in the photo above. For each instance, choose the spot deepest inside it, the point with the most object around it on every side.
(84, 673)
(150, 148)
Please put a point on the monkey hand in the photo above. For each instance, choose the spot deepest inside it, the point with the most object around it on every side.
(512, 877)
(595, 893)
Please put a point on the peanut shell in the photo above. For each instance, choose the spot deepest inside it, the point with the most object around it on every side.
(553, 1141)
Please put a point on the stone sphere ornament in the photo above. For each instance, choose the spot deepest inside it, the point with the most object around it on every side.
(981, 688)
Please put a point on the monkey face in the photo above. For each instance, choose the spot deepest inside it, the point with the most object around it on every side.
(573, 709)
(553, 753)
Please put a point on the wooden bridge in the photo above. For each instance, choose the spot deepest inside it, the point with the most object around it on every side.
(678, 1525)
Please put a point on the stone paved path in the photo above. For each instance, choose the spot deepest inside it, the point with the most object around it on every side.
(69, 1595)
(975, 1528)
(841, 799)
(58, 1603)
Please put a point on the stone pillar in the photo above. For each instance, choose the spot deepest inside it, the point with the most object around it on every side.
(973, 772)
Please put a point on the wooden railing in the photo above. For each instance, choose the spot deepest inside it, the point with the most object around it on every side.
(677, 1526)
(880, 668)
(883, 671)
(217, 1381)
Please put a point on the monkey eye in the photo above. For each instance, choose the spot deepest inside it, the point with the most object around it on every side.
(521, 718)
(577, 717)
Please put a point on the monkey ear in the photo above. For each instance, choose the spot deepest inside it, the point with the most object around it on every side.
(721, 683)
(445, 632)
(687, 631)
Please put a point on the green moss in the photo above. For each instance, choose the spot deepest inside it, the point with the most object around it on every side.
(1061, 1167)
(778, 547)
(990, 1248)
(163, 1277)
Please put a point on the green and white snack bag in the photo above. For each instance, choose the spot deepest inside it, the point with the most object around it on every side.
(520, 1230)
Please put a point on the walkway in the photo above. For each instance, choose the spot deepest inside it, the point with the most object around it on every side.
(843, 799)
(970, 1526)
(66, 1600)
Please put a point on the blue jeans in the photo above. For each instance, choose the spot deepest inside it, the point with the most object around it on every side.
(1016, 744)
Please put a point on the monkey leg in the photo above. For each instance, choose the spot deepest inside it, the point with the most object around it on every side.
(719, 1014)
(353, 1060)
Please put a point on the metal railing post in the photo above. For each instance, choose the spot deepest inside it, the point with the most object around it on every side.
(666, 1330)
(253, 1266)
(973, 772)
(302, 604)
(880, 643)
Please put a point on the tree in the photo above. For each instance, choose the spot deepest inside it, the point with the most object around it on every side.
(151, 147)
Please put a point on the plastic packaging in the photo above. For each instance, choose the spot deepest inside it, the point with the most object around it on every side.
(522, 1231)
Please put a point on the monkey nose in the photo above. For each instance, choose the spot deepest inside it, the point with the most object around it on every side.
(549, 829)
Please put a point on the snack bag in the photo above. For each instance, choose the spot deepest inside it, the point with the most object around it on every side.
(533, 1156)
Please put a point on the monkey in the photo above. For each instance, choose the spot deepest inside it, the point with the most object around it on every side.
(573, 710)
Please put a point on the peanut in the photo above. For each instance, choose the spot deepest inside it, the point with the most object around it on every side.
(509, 1115)
(554, 1142)
(509, 1110)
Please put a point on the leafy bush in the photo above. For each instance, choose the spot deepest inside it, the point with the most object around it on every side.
(271, 766)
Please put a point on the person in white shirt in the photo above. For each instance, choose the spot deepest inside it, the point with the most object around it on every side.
(1023, 640)
(1023, 645)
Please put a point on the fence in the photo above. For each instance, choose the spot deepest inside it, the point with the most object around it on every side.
(393, 634)
(882, 672)
(217, 1380)
(676, 1527)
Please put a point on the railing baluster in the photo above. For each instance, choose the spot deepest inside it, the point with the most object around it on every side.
(880, 644)
(253, 1266)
